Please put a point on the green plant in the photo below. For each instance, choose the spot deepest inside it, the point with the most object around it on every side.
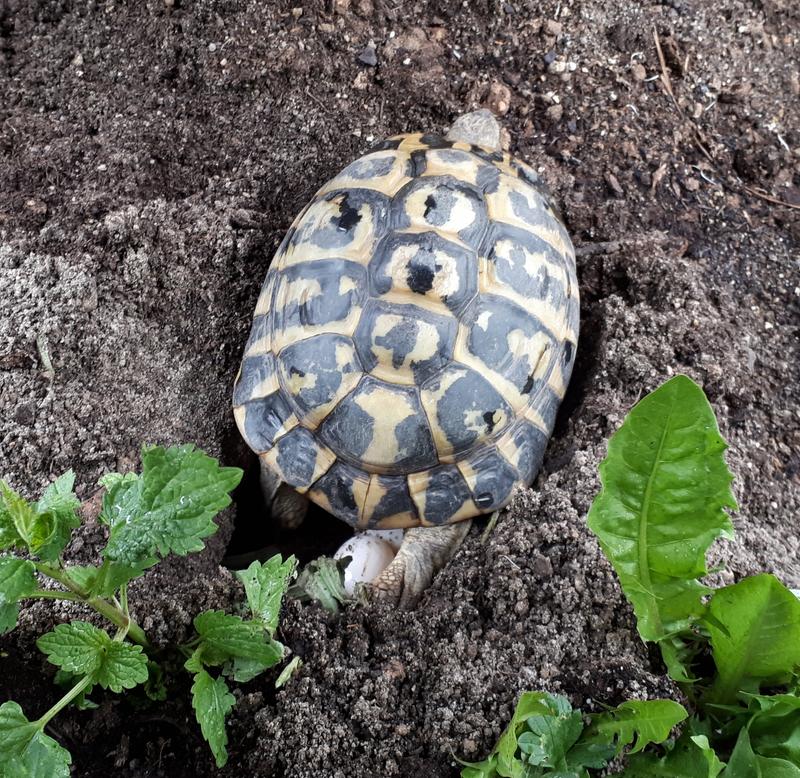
(665, 492)
(546, 737)
(167, 509)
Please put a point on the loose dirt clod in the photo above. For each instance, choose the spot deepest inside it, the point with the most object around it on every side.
(144, 190)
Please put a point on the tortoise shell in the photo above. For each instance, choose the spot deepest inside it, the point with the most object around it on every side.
(414, 336)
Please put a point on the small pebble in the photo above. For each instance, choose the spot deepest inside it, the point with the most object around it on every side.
(553, 27)
(498, 101)
(555, 112)
(368, 56)
(638, 71)
(613, 183)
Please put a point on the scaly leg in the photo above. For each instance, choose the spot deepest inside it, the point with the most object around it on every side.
(423, 552)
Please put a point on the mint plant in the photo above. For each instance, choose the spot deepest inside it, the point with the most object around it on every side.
(167, 509)
(734, 651)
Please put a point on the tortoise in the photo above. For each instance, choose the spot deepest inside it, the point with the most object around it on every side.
(411, 344)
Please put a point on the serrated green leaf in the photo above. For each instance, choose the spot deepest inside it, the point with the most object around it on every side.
(77, 647)
(124, 666)
(690, 757)
(8, 617)
(549, 736)
(15, 730)
(104, 580)
(59, 507)
(227, 637)
(322, 581)
(265, 585)
(762, 620)
(17, 579)
(542, 739)
(665, 488)
(42, 758)
(20, 525)
(83, 649)
(648, 721)
(170, 508)
(212, 702)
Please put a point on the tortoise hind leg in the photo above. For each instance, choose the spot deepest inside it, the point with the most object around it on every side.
(287, 505)
(423, 552)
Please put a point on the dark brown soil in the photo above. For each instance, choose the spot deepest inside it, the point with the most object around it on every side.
(153, 154)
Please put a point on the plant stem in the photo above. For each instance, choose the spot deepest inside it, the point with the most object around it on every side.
(115, 615)
(119, 619)
(50, 594)
(60, 575)
(64, 701)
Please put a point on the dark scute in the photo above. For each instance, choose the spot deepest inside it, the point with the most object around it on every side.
(568, 349)
(349, 429)
(414, 437)
(531, 442)
(488, 179)
(337, 486)
(486, 156)
(397, 499)
(385, 145)
(400, 340)
(328, 305)
(421, 272)
(495, 478)
(470, 392)
(422, 269)
(297, 457)
(528, 384)
(369, 167)
(417, 164)
(447, 490)
(339, 229)
(430, 205)
(254, 371)
(264, 418)
(349, 217)
(317, 355)
(436, 141)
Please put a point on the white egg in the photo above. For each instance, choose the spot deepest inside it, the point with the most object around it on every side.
(394, 537)
(370, 557)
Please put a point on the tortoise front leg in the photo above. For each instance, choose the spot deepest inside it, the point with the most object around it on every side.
(423, 552)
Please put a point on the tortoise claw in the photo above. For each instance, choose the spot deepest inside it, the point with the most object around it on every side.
(424, 551)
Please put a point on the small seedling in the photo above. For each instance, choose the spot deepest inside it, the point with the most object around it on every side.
(167, 509)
